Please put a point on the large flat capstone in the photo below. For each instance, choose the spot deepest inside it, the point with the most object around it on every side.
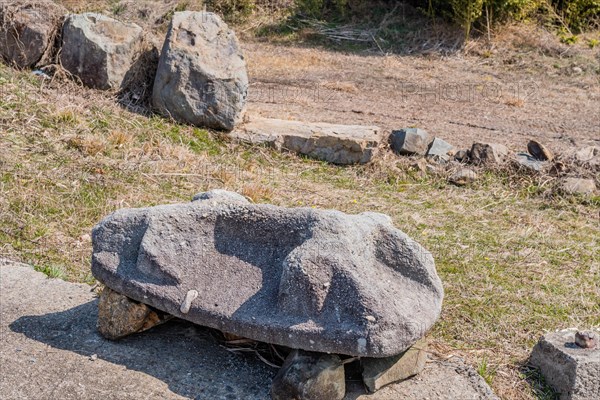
(318, 280)
(338, 144)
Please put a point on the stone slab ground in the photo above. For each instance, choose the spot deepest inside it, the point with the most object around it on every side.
(50, 348)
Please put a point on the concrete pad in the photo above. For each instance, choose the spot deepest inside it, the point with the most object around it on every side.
(337, 144)
(50, 349)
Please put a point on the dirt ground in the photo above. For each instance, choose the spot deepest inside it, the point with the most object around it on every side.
(529, 86)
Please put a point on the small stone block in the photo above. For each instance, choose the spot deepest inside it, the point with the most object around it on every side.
(573, 372)
(378, 372)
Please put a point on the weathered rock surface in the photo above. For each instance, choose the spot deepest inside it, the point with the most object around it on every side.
(572, 371)
(310, 376)
(119, 316)
(409, 141)
(539, 152)
(463, 176)
(577, 186)
(338, 144)
(488, 153)
(379, 372)
(440, 149)
(201, 77)
(98, 49)
(27, 30)
(526, 161)
(318, 280)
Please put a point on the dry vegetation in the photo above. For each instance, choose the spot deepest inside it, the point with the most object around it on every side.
(517, 259)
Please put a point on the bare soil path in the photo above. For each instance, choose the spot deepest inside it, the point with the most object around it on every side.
(508, 98)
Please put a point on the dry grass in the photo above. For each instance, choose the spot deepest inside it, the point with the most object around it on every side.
(516, 261)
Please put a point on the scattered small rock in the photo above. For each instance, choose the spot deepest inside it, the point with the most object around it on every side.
(27, 30)
(573, 372)
(98, 49)
(440, 149)
(310, 376)
(409, 141)
(93, 357)
(119, 316)
(488, 153)
(539, 151)
(589, 155)
(201, 77)
(378, 372)
(586, 339)
(578, 186)
(526, 161)
(463, 176)
(462, 156)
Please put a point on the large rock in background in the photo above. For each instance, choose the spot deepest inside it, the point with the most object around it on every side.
(98, 49)
(318, 280)
(201, 77)
(28, 30)
(338, 144)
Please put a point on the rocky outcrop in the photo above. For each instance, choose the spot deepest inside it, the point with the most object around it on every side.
(338, 144)
(99, 50)
(28, 30)
(201, 77)
(318, 280)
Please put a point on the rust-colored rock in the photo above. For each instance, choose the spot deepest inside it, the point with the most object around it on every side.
(119, 316)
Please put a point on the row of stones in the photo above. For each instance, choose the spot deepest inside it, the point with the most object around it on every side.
(200, 79)
(538, 158)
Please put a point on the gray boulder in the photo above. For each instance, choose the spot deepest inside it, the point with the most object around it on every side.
(201, 77)
(524, 160)
(318, 280)
(99, 50)
(27, 31)
(338, 144)
(440, 149)
(572, 371)
(409, 141)
(488, 153)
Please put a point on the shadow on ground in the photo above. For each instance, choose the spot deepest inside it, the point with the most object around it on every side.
(183, 355)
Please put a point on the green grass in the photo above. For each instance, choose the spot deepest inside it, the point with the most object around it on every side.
(515, 262)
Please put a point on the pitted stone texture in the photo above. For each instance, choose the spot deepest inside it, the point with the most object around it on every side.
(318, 280)
(27, 30)
(409, 141)
(573, 372)
(337, 144)
(220, 195)
(119, 316)
(98, 49)
(310, 376)
(201, 78)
